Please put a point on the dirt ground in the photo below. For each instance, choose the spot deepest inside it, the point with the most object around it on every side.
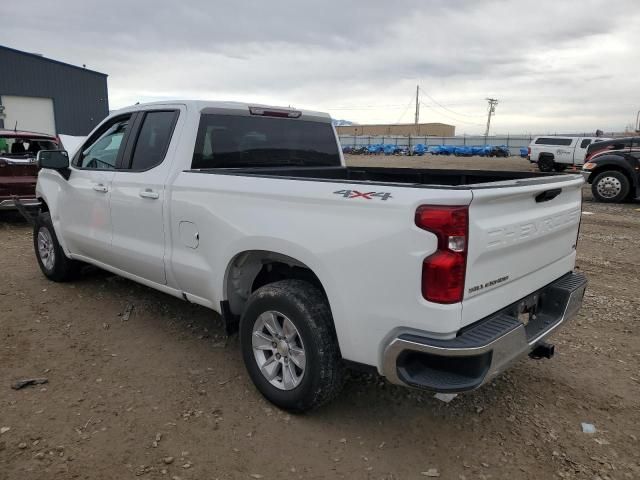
(160, 394)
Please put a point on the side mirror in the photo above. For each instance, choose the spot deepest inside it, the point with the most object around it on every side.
(57, 160)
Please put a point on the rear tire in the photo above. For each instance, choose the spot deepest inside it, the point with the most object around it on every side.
(53, 262)
(610, 187)
(546, 164)
(281, 318)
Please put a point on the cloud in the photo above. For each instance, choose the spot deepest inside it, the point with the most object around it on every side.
(554, 66)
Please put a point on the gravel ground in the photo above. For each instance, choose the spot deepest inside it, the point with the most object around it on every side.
(158, 393)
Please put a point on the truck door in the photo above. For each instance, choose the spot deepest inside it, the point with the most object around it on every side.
(138, 199)
(84, 208)
(581, 151)
(563, 152)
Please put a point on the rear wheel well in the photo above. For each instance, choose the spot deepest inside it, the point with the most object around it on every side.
(251, 270)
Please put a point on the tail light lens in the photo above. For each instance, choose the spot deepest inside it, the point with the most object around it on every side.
(443, 273)
(528, 150)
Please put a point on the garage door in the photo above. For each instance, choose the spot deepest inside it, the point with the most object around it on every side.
(33, 114)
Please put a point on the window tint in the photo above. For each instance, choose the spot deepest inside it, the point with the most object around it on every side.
(554, 141)
(234, 141)
(153, 140)
(585, 143)
(101, 152)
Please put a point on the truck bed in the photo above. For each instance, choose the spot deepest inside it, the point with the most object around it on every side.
(409, 177)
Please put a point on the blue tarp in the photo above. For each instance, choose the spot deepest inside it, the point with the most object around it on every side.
(419, 149)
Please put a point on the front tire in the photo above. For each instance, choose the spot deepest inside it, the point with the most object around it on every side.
(52, 260)
(610, 187)
(289, 345)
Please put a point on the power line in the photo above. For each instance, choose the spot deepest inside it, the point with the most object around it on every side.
(450, 117)
(446, 108)
(405, 110)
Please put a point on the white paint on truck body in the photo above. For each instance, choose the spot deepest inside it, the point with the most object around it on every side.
(368, 255)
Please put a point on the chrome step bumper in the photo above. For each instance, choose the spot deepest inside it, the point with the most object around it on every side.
(486, 348)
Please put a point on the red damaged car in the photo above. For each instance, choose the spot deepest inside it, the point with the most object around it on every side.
(18, 168)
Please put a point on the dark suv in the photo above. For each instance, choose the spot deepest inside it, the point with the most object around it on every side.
(612, 168)
(18, 169)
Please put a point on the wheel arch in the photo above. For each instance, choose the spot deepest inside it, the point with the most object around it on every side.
(251, 269)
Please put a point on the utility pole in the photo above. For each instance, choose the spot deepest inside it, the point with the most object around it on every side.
(417, 120)
(492, 109)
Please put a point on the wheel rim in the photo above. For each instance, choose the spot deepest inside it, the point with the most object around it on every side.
(46, 250)
(278, 350)
(609, 187)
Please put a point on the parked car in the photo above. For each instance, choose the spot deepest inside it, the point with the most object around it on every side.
(442, 149)
(462, 151)
(481, 150)
(436, 279)
(375, 149)
(557, 153)
(18, 168)
(613, 169)
(499, 151)
(420, 149)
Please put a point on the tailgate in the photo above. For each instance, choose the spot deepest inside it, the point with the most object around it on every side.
(522, 236)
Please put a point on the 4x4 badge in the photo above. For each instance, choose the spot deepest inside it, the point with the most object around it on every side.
(364, 195)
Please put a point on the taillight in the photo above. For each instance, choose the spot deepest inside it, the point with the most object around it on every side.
(528, 150)
(443, 273)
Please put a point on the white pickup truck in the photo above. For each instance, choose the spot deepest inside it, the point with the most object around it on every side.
(558, 153)
(437, 279)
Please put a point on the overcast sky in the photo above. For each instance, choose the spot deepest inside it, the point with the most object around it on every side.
(555, 66)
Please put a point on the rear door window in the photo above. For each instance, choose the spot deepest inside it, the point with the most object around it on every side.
(236, 141)
(153, 140)
(585, 143)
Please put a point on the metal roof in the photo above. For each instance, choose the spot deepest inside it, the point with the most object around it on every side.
(43, 58)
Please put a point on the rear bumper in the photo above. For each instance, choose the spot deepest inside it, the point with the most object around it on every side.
(9, 204)
(486, 348)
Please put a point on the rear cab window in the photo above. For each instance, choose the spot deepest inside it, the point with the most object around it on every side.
(243, 141)
(554, 141)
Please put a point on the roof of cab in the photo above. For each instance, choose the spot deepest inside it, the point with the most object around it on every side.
(200, 105)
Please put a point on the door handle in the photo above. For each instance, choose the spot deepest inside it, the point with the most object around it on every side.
(100, 187)
(148, 193)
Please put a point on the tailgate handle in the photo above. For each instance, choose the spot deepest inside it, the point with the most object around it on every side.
(548, 195)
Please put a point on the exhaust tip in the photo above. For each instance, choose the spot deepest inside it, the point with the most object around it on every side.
(542, 350)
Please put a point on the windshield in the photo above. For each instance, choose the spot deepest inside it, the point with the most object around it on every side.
(24, 147)
(233, 141)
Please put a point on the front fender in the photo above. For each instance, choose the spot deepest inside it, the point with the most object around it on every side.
(48, 190)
